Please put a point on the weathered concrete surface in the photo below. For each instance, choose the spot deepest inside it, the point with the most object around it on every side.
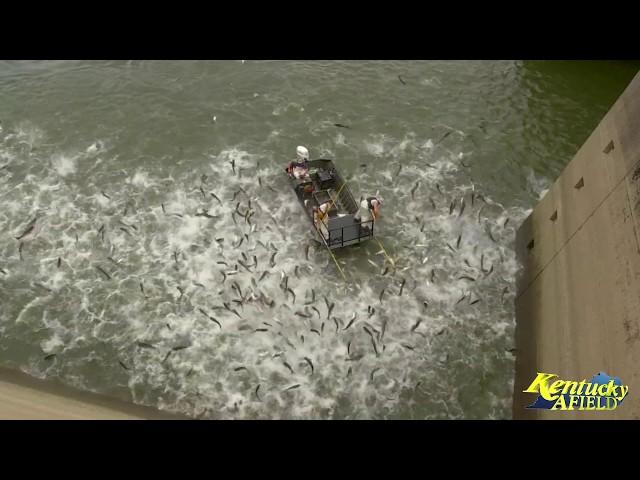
(26, 398)
(578, 294)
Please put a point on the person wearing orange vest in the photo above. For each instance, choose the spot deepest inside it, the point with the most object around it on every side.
(369, 211)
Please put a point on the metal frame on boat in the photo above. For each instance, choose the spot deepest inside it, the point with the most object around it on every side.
(324, 185)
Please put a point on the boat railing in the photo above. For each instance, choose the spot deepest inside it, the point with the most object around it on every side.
(333, 239)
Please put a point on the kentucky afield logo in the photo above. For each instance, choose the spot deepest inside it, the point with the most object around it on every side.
(601, 393)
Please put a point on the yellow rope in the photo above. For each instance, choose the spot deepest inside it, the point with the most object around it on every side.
(337, 264)
(333, 201)
(385, 252)
(321, 218)
(331, 253)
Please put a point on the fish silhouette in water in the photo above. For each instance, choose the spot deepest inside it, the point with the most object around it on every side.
(216, 197)
(413, 190)
(416, 325)
(350, 322)
(101, 270)
(335, 320)
(26, 232)
(444, 136)
(289, 367)
(310, 364)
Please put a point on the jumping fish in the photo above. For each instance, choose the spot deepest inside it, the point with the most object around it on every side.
(26, 232)
(335, 320)
(404, 281)
(351, 321)
(413, 190)
(289, 367)
(444, 136)
(310, 364)
(103, 272)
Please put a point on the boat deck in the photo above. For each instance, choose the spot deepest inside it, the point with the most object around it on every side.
(324, 185)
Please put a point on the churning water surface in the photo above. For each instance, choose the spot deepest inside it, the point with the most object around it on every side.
(166, 261)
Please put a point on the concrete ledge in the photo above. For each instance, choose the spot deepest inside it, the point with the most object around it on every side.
(26, 398)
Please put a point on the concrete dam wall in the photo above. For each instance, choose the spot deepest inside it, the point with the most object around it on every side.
(578, 292)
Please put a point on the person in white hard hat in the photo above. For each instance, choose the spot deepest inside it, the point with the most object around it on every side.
(369, 210)
(299, 168)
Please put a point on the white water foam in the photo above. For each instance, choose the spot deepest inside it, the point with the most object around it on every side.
(167, 268)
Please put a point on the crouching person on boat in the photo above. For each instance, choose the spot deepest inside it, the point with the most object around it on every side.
(321, 219)
(299, 168)
(368, 212)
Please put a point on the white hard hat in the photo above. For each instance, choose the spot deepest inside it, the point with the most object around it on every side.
(303, 153)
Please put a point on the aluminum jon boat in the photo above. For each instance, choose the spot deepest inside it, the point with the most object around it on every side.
(330, 206)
